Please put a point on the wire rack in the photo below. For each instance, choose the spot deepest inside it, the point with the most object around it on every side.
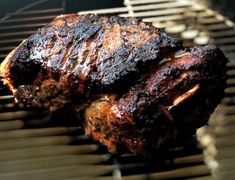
(38, 145)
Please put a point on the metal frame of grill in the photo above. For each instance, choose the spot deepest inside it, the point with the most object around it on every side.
(36, 145)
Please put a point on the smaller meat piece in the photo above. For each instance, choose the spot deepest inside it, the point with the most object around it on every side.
(169, 104)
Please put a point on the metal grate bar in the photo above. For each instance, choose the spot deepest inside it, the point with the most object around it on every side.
(11, 40)
(106, 11)
(28, 19)
(34, 142)
(46, 151)
(19, 114)
(139, 8)
(216, 27)
(6, 97)
(37, 132)
(222, 41)
(222, 33)
(38, 11)
(136, 2)
(61, 172)
(9, 125)
(53, 161)
(156, 13)
(7, 48)
(164, 18)
(200, 170)
(3, 55)
(22, 26)
(16, 33)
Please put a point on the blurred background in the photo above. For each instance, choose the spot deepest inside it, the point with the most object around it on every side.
(35, 146)
(227, 7)
(72, 6)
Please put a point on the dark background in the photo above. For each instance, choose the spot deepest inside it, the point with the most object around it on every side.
(227, 7)
(7, 6)
(71, 6)
(76, 5)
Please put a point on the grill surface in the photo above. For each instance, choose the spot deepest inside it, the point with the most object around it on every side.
(37, 145)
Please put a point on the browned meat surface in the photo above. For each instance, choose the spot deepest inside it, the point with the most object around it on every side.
(137, 88)
(167, 105)
(76, 56)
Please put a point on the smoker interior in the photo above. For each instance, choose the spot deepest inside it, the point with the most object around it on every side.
(38, 145)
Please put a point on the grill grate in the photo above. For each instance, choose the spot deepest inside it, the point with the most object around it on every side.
(36, 145)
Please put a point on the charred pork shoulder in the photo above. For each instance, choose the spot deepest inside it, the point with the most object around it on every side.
(138, 89)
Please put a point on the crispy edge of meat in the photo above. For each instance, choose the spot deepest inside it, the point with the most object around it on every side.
(167, 109)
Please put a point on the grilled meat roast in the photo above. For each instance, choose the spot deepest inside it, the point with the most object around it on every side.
(80, 56)
(138, 89)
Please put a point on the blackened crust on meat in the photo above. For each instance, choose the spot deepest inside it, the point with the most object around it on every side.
(156, 93)
(75, 56)
(173, 100)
